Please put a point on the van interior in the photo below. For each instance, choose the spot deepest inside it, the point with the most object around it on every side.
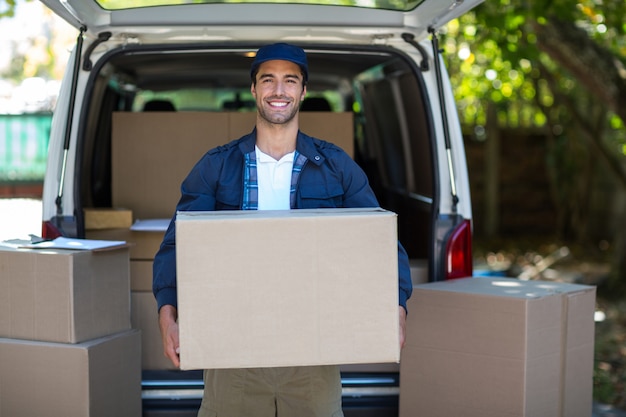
(379, 92)
(152, 112)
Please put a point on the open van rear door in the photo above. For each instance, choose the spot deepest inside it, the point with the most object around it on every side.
(415, 16)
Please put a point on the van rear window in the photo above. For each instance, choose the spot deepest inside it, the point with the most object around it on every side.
(401, 5)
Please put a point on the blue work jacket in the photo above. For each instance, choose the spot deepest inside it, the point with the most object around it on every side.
(329, 179)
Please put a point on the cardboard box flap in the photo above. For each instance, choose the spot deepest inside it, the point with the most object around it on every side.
(280, 214)
(504, 287)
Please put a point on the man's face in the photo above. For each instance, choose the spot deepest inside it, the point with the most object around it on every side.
(278, 91)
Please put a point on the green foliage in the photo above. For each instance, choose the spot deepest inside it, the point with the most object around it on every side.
(558, 66)
(491, 64)
(493, 56)
(7, 8)
(15, 69)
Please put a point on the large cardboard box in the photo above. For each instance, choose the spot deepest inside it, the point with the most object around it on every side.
(498, 347)
(283, 288)
(65, 296)
(97, 378)
(153, 152)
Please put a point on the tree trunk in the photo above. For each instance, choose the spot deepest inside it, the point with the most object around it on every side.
(601, 72)
(589, 68)
(492, 174)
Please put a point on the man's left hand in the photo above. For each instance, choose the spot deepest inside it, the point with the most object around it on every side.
(402, 312)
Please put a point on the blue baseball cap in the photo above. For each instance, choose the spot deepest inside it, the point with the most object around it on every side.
(283, 52)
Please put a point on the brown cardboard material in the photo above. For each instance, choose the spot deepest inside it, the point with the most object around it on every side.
(97, 378)
(145, 318)
(148, 165)
(141, 275)
(153, 152)
(498, 347)
(284, 288)
(62, 295)
(578, 363)
(143, 245)
(107, 218)
(333, 127)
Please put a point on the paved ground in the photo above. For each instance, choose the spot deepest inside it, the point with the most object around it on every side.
(601, 410)
(21, 217)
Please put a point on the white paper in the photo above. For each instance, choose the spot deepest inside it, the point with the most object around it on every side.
(76, 244)
(151, 225)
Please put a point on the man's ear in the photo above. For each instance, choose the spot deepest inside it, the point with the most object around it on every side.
(253, 90)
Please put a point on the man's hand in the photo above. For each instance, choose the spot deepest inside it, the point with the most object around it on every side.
(402, 312)
(169, 333)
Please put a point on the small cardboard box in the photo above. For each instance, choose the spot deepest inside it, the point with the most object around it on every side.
(287, 288)
(107, 218)
(97, 378)
(63, 296)
(498, 347)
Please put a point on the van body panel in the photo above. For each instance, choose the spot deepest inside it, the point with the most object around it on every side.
(427, 14)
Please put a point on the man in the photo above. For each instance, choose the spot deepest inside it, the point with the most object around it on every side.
(276, 167)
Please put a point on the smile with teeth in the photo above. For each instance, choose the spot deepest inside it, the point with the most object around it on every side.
(278, 103)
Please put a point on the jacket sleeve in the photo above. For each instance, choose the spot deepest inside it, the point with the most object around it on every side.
(196, 194)
(359, 194)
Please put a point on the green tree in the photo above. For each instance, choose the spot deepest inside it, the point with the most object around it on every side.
(7, 8)
(556, 65)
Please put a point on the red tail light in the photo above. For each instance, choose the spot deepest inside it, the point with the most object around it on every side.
(459, 263)
(49, 231)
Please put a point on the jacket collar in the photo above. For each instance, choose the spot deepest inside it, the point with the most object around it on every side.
(304, 145)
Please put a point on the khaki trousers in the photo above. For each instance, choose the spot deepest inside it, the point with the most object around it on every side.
(310, 391)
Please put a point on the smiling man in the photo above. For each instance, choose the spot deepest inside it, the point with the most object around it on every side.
(275, 167)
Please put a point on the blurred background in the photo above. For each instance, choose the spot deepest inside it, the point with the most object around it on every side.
(541, 93)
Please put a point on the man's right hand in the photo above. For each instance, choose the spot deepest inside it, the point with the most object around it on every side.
(168, 324)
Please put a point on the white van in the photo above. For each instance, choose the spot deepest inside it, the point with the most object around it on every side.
(153, 84)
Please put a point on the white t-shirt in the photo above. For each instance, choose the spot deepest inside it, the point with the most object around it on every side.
(274, 180)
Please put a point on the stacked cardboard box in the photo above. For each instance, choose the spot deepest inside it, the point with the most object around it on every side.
(66, 344)
(143, 247)
(498, 347)
(97, 378)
